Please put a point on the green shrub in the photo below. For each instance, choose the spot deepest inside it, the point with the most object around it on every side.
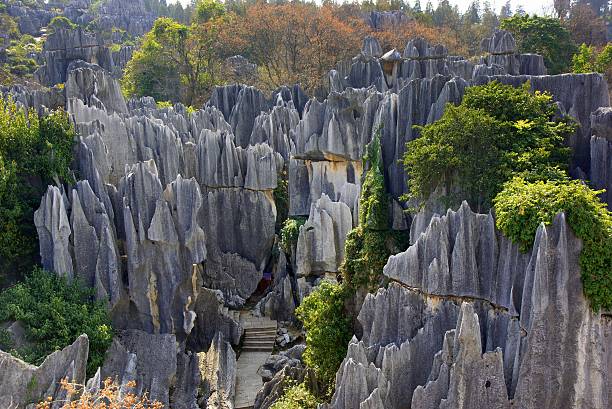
(290, 232)
(296, 397)
(61, 22)
(328, 330)
(33, 153)
(54, 313)
(587, 59)
(522, 206)
(498, 131)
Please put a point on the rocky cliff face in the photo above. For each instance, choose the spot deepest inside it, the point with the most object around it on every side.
(470, 322)
(65, 46)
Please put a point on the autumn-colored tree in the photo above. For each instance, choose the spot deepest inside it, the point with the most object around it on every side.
(292, 43)
(109, 396)
(398, 36)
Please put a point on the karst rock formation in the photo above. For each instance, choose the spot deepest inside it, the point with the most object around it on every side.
(173, 216)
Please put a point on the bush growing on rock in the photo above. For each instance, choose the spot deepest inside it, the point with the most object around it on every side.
(328, 331)
(496, 132)
(290, 232)
(34, 152)
(522, 206)
(54, 312)
(296, 397)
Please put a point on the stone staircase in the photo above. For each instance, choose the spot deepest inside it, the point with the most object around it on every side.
(257, 345)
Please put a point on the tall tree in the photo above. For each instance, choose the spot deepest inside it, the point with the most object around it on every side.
(545, 36)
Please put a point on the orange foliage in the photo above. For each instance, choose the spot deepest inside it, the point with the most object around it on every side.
(108, 397)
(398, 36)
(292, 43)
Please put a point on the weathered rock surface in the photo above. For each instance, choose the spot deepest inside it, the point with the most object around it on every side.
(601, 152)
(463, 343)
(320, 247)
(22, 384)
(218, 374)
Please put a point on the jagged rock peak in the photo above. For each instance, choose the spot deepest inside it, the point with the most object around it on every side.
(501, 42)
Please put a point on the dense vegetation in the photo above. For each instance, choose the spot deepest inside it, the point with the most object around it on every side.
(545, 36)
(588, 59)
(522, 206)
(34, 152)
(296, 397)
(54, 312)
(328, 331)
(503, 146)
(497, 131)
(369, 245)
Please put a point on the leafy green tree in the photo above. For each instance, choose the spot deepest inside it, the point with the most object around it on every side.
(176, 62)
(206, 10)
(496, 132)
(587, 59)
(61, 22)
(545, 36)
(54, 313)
(328, 330)
(34, 152)
(522, 206)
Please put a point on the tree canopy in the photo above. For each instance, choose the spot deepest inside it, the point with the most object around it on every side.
(474, 148)
(34, 152)
(545, 36)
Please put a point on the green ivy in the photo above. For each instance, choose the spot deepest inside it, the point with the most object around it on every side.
(522, 206)
(54, 313)
(328, 331)
(369, 245)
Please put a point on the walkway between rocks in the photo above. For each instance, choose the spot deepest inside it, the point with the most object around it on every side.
(259, 337)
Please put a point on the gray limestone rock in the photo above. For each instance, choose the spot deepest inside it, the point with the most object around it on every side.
(506, 347)
(289, 375)
(22, 384)
(371, 47)
(320, 247)
(502, 42)
(218, 374)
(93, 85)
(53, 227)
(148, 359)
(601, 123)
(212, 319)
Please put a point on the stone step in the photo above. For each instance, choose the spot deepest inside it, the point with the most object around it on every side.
(258, 342)
(263, 339)
(256, 349)
(260, 331)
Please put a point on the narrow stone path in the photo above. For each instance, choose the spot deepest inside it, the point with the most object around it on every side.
(259, 337)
